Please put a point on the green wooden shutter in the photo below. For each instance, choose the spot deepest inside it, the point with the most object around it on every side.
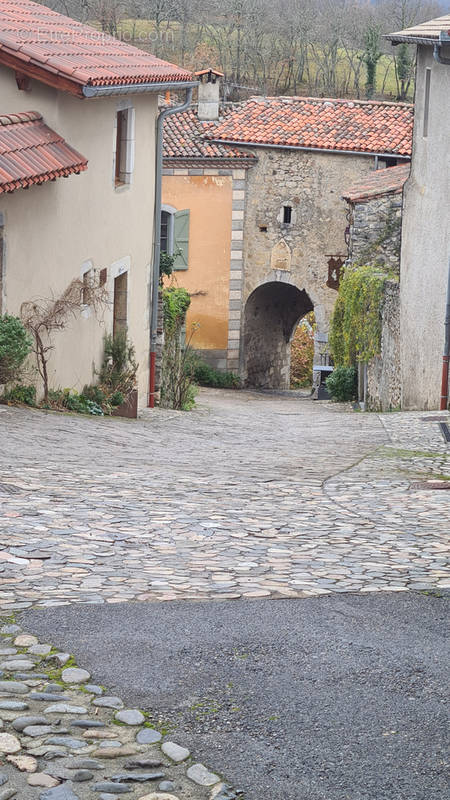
(181, 239)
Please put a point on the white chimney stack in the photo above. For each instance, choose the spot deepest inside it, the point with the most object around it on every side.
(208, 94)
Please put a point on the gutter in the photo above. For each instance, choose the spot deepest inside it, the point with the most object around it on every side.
(135, 88)
(370, 154)
(154, 284)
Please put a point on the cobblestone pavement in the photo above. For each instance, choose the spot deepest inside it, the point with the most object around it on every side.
(250, 495)
(64, 738)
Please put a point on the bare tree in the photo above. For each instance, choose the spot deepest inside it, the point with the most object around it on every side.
(44, 316)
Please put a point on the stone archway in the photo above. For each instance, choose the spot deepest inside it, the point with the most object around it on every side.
(271, 314)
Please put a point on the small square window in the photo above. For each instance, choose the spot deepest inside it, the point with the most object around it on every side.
(287, 215)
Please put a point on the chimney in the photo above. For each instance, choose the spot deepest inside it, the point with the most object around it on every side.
(208, 94)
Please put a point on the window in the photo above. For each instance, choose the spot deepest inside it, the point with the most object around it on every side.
(175, 235)
(124, 150)
(382, 163)
(120, 303)
(287, 215)
(166, 232)
(426, 102)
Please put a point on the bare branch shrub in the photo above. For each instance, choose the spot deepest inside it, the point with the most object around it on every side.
(43, 316)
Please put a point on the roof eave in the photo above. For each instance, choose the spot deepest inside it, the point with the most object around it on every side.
(371, 153)
(58, 81)
(398, 39)
(365, 198)
(135, 88)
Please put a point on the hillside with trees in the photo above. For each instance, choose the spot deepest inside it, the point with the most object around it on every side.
(331, 48)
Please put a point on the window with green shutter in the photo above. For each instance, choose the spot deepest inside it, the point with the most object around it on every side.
(181, 239)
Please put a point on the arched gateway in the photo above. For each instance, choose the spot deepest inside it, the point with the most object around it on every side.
(271, 315)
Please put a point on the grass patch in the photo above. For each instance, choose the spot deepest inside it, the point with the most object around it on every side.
(393, 452)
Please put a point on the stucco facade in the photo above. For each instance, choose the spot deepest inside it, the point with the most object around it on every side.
(55, 232)
(286, 266)
(426, 236)
(208, 197)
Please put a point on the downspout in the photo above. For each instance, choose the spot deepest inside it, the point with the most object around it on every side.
(446, 356)
(154, 286)
(437, 55)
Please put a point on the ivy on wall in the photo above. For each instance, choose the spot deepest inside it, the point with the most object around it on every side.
(355, 333)
(177, 390)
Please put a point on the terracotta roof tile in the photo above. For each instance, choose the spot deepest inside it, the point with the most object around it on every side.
(184, 139)
(38, 36)
(364, 126)
(30, 152)
(378, 183)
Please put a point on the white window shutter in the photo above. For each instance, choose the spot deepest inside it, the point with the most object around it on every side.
(181, 239)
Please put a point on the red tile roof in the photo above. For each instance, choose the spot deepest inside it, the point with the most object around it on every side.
(309, 122)
(184, 141)
(378, 183)
(34, 38)
(30, 152)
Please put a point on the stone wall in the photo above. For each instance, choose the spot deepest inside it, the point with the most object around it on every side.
(271, 314)
(375, 231)
(383, 372)
(291, 247)
(375, 235)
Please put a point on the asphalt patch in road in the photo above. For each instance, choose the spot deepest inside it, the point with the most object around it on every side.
(330, 698)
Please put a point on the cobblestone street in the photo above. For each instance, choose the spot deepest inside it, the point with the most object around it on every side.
(250, 495)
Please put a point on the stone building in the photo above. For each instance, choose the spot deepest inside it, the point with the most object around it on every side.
(374, 238)
(292, 241)
(426, 219)
(203, 191)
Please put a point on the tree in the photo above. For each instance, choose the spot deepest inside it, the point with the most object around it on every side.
(372, 55)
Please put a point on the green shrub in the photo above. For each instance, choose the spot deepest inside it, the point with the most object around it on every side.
(205, 375)
(94, 393)
(69, 400)
(15, 345)
(21, 394)
(116, 399)
(355, 333)
(342, 384)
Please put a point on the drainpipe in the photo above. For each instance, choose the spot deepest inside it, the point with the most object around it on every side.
(157, 239)
(437, 55)
(446, 357)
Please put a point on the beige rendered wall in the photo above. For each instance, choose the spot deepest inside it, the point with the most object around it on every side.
(55, 231)
(209, 199)
(426, 240)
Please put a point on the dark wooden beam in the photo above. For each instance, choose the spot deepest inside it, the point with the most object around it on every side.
(23, 81)
(40, 74)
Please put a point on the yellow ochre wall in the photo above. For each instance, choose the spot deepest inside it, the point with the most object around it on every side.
(209, 199)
